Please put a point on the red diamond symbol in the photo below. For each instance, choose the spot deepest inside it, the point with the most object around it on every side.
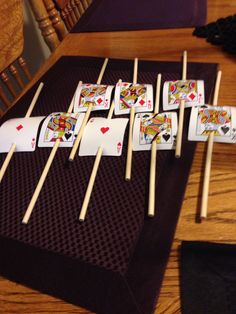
(142, 102)
(99, 100)
(192, 96)
(19, 127)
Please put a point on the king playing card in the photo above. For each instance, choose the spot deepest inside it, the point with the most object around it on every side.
(97, 95)
(221, 121)
(60, 125)
(191, 91)
(149, 127)
(128, 95)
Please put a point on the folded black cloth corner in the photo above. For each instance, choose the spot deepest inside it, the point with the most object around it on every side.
(208, 278)
(222, 32)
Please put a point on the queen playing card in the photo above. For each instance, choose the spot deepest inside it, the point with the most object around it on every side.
(97, 95)
(149, 127)
(128, 95)
(108, 133)
(211, 119)
(191, 91)
(20, 131)
(60, 125)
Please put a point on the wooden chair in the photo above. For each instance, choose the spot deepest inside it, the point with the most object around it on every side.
(13, 69)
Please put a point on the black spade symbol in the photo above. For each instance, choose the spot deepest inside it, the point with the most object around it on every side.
(68, 135)
(166, 137)
(225, 129)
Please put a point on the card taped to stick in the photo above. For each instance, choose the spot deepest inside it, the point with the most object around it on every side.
(149, 127)
(108, 133)
(213, 119)
(191, 91)
(60, 125)
(128, 95)
(20, 131)
(98, 95)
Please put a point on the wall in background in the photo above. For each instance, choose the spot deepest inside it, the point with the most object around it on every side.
(35, 49)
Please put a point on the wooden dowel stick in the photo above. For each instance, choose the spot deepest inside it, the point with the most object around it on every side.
(131, 122)
(94, 172)
(207, 172)
(152, 176)
(40, 183)
(13, 147)
(181, 112)
(86, 117)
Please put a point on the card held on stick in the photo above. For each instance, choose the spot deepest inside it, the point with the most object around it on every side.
(221, 121)
(149, 127)
(129, 95)
(60, 125)
(22, 132)
(191, 91)
(97, 95)
(105, 133)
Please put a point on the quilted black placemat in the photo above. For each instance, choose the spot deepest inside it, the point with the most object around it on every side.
(123, 15)
(114, 261)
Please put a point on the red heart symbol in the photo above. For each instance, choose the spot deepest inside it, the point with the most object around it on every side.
(104, 130)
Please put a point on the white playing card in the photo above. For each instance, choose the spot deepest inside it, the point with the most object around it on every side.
(60, 125)
(108, 133)
(219, 120)
(128, 95)
(160, 127)
(191, 91)
(22, 132)
(98, 95)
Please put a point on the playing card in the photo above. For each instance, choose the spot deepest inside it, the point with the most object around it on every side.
(128, 95)
(60, 125)
(191, 91)
(108, 133)
(219, 120)
(22, 132)
(149, 127)
(98, 95)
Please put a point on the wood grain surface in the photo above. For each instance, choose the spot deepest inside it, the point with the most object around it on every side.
(220, 226)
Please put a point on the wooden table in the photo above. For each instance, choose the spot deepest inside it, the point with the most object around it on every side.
(220, 225)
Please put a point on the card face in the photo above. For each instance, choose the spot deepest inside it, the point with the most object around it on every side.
(22, 132)
(149, 127)
(60, 125)
(128, 95)
(209, 119)
(108, 133)
(98, 95)
(191, 91)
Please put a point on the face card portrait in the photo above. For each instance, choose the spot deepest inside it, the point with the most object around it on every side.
(149, 127)
(221, 121)
(22, 132)
(191, 91)
(60, 125)
(129, 95)
(97, 95)
(108, 133)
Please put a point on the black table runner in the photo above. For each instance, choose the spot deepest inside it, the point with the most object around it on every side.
(114, 261)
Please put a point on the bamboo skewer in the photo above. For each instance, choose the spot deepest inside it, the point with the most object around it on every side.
(50, 160)
(94, 173)
(207, 172)
(13, 147)
(152, 177)
(131, 122)
(181, 111)
(86, 117)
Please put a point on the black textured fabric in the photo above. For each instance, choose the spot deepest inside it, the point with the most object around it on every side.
(208, 278)
(114, 261)
(222, 32)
